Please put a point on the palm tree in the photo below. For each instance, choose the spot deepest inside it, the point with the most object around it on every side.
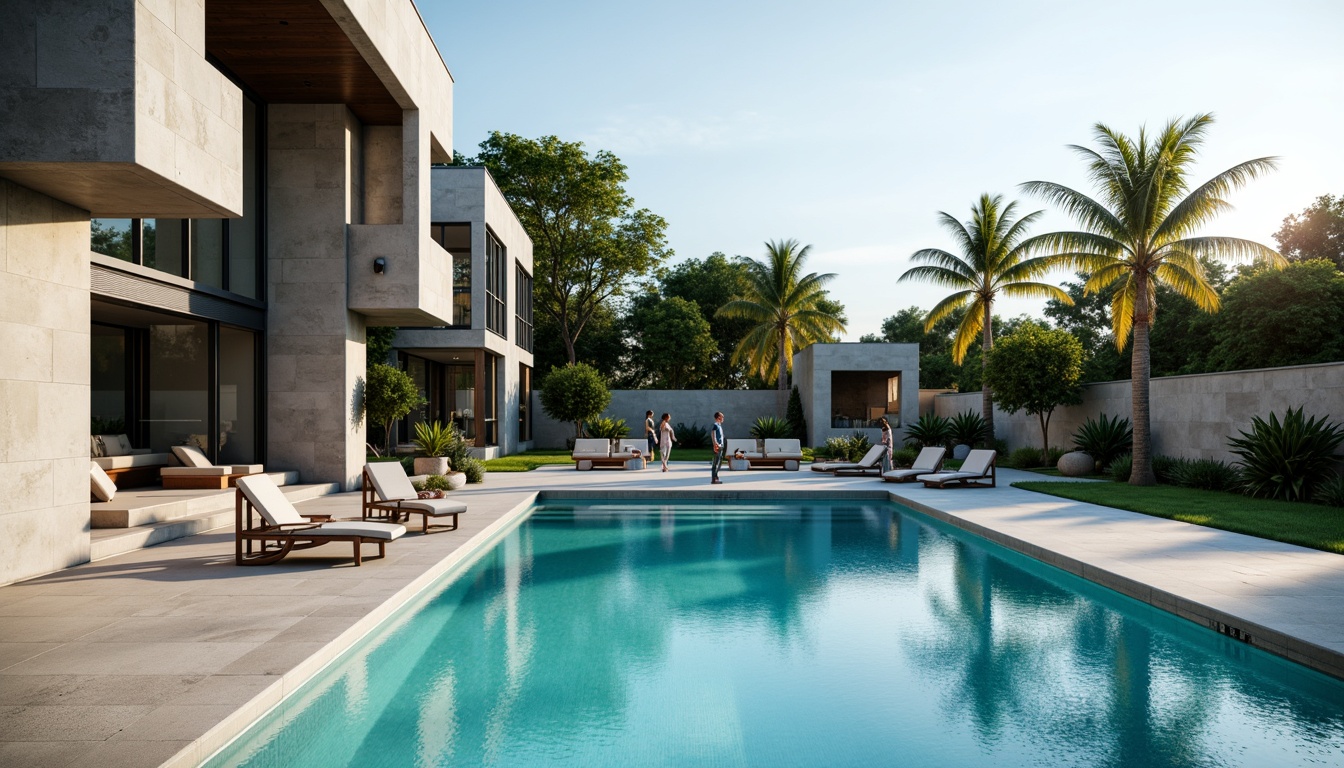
(787, 307)
(1141, 233)
(993, 262)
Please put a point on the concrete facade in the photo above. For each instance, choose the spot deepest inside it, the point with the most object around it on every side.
(741, 408)
(1192, 416)
(111, 106)
(813, 369)
(467, 195)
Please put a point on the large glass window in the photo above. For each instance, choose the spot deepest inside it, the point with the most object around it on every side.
(108, 380)
(163, 245)
(237, 396)
(418, 368)
(456, 240)
(113, 237)
(523, 316)
(524, 403)
(179, 385)
(489, 403)
(495, 287)
(207, 252)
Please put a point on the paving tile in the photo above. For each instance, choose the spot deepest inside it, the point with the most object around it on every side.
(52, 629)
(232, 690)
(67, 723)
(129, 754)
(190, 629)
(273, 658)
(16, 653)
(177, 723)
(44, 754)
(134, 659)
(92, 689)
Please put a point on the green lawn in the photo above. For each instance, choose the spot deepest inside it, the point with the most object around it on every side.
(1052, 472)
(1307, 525)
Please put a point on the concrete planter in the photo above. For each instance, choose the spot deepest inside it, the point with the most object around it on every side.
(431, 465)
(1076, 464)
(456, 480)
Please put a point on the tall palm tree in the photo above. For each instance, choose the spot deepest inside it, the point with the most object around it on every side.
(1140, 232)
(993, 262)
(787, 308)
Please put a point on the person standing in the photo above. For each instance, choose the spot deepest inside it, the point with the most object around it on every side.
(886, 443)
(650, 433)
(716, 442)
(666, 437)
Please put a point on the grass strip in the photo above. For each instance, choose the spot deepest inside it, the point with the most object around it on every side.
(1307, 525)
(530, 460)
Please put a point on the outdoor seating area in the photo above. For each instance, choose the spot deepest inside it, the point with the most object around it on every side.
(125, 466)
(198, 472)
(596, 452)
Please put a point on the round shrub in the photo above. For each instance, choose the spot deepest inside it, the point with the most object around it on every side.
(575, 393)
(473, 469)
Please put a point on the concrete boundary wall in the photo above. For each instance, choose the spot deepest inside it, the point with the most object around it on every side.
(741, 408)
(1192, 416)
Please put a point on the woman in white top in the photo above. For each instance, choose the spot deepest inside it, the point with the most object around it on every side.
(666, 437)
(886, 443)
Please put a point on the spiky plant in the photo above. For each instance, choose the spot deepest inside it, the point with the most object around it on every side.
(1141, 231)
(930, 431)
(771, 428)
(968, 428)
(1104, 438)
(787, 307)
(1286, 460)
(993, 262)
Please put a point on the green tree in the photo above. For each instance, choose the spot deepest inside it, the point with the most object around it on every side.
(588, 239)
(575, 393)
(788, 311)
(712, 283)
(1035, 369)
(936, 367)
(389, 394)
(107, 240)
(1274, 317)
(993, 261)
(602, 345)
(796, 417)
(1316, 233)
(379, 343)
(671, 342)
(1142, 233)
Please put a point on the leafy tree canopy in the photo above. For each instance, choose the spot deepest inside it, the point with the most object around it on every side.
(575, 393)
(711, 283)
(1036, 369)
(589, 242)
(1316, 233)
(672, 342)
(1276, 317)
(389, 394)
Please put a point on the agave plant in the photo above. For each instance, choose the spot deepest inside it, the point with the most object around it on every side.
(612, 429)
(930, 431)
(1104, 438)
(1288, 459)
(1205, 474)
(434, 439)
(771, 428)
(969, 428)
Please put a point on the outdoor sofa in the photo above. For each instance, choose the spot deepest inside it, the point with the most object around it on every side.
(978, 467)
(387, 492)
(928, 460)
(127, 467)
(592, 452)
(283, 530)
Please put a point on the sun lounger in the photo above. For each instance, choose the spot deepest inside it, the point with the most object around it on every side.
(197, 471)
(929, 460)
(978, 466)
(282, 529)
(388, 492)
(871, 462)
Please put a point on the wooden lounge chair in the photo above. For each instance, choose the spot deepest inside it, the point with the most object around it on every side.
(197, 471)
(388, 492)
(978, 467)
(929, 460)
(282, 529)
(871, 462)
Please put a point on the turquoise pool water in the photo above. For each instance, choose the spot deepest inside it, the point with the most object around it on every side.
(859, 634)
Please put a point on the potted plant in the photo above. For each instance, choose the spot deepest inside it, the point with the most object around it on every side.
(432, 440)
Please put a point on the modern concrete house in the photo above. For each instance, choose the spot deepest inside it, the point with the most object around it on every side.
(847, 387)
(203, 207)
(476, 370)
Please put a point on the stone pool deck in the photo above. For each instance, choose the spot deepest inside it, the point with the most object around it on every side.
(159, 657)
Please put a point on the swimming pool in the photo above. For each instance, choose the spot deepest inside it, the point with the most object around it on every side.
(806, 634)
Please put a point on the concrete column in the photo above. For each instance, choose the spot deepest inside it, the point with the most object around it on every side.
(44, 383)
(315, 345)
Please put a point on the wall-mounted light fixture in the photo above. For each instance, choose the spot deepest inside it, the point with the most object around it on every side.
(379, 265)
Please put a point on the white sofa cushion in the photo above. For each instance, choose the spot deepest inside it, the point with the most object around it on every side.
(130, 462)
(113, 446)
(786, 448)
(190, 456)
(100, 485)
(592, 448)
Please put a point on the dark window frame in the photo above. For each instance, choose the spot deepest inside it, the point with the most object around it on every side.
(522, 300)
(471, 272)
(496, 287)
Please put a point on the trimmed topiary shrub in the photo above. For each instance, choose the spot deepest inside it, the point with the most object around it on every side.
(574, 394)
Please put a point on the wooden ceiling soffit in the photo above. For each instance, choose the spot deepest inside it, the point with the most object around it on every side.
(294, 52)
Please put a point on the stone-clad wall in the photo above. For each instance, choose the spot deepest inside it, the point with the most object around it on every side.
(1192, 416)
(44, 383)
(740, 409)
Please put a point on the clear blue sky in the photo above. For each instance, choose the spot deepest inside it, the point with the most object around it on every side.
(849, 124)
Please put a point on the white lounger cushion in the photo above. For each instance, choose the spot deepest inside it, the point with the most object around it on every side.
(100, 485)
(389, 480)
(869, 460)
(277, 510)
(190, 456)
(975, 466)
(926, 462)
(435, 507)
